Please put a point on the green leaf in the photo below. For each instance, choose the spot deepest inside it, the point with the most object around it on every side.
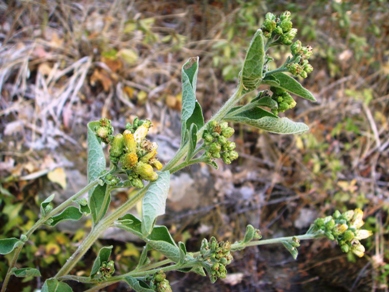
(192, 141)
(272, 124)
(183, 252)
(290, 84)
(289, 245)
(130, 223)
(70, 213)
(143, 259)
(154, 201)
(53, 285)
(253, 114)
(189, 79)
(83, 206)
(197, 117)
(161, 240)
(96, 157)
(266, 101)
(46, 206)
(252, 71)
(271, 80)
(137, 285)
(99, 202)
(103, 256)
(26, 272)
(7, 245)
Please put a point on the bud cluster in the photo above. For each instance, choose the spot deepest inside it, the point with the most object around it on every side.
(301, 54)
(105, 271)
(217, 144)
(131, 151)
(215, 256)
(284, 100)
(279, 28)
(160, 283)
(344, 228)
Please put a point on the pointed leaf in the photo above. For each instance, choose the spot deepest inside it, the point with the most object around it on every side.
(252, 71)
(266, 101)
(188, 79)
(271, 80)
(197, 117)
(274, 125)
(103, 256)
(83, 205)
(70, 213)
(130, 223)
(53, 285)
(96, 158)
(289, 245)
(253, 114)
(143, 259)
(154, 201)
(99, 202)
(26, 272)
(290, 84)
(46, 206)
(137, 285)
(161, 240)
(7, 245)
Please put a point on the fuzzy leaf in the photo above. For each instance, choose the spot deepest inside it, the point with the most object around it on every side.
(7, 245)
(138, 286)
(70, 213)
(251, 74)
(26, 272)
(96, 158)
(130, 223)
(266, 101)
(45, 205)
(161, 240)
(103, 256)
(99, 202)
(272, 124)
(154, 201)
(271, 80)
(53, 285)
(197, 117)
(290, 84)
(291, 248)
(189, 79)
(253, 114)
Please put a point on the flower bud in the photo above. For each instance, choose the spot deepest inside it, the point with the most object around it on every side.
(136, 182)
(345, 248)
(357, 248)
(296, 47)
(207, 138)
(222, 140)
(233, 155)
(151, 154)
(146, 171)
(160, 276)
(339, 229)
(336, 214)
(102, 132)
(348, 235)
(228, 132)
(117, 146)
(348, 215)
(215, 148)
(357, 221)
(156, 164)
(285, 15)
(286, 25)
(362, 234)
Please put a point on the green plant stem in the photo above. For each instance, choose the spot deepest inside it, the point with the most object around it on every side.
(41, 221)
(238, 246)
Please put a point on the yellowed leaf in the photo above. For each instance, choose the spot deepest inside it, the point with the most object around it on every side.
(58, 176)
(129, 56)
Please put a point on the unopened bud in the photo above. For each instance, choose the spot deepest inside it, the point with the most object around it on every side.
(129, 160)
(117, 146)
(142, 131)
(146, 171)
(129, 141)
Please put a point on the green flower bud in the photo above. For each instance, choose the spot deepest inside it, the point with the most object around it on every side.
(160, 276)
(348, 235)
(117, 146)
(233, 155)
(295, 48)
(215, 148)
(278, 31)
(285, 16)
(228, 132)
(102, 132)
(231, 145)
(207, 138)
(345, 248)
(215, 267)
(146, 171)
(250, 233)
(308, 68)
(222, 140)
(223, 126)
(270, 16)
(330, 224)
(304, 74)
(348, 215)
(136, 182)
(337, 214)
(329, 235)
(339, 229)
(286, 25)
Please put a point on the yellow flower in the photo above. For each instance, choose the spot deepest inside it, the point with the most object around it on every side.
(357, 248)
(356, 221)
(362, 234)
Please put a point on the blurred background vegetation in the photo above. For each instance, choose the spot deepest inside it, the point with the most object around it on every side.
(64, 63)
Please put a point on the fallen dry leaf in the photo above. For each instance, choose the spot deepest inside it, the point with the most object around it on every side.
(58, 176)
